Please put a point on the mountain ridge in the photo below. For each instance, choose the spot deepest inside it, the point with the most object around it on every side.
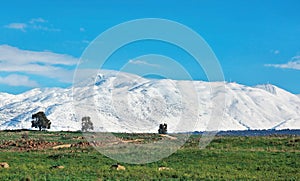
(123, 102)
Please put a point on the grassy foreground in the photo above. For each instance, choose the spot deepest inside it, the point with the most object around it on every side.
(31, 156)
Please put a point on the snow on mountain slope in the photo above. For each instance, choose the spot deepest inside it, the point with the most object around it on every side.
(56, 103)
(261, 108)
(129, 103)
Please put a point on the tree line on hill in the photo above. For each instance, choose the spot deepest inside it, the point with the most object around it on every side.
(40, 120)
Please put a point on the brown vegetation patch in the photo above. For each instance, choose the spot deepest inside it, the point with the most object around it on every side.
(26, 145)
(81, 144)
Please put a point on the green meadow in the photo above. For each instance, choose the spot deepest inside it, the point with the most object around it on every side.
(31, 156)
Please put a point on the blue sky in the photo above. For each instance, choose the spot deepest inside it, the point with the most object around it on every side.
(256, 42)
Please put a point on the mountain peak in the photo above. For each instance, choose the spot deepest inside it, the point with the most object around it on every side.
(269, 88)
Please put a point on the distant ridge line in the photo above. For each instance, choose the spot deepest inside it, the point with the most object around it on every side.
(269, 132)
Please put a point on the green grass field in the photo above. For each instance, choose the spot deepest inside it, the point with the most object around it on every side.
(31, 156)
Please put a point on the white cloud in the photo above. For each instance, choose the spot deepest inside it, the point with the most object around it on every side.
(37, 20)
(15, 55)
(141, 62)
(44, 28)
(42, 63)
(293, 64)
(18, 80)
(81, 29)
(275, 52)
(34, 23)
(17, 26)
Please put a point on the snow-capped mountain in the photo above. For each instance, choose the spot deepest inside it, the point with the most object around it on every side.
(128, 103)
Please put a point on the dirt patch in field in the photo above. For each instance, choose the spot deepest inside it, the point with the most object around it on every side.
(28, 145)
(24, 145)
(62, 146)
(168, 136)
